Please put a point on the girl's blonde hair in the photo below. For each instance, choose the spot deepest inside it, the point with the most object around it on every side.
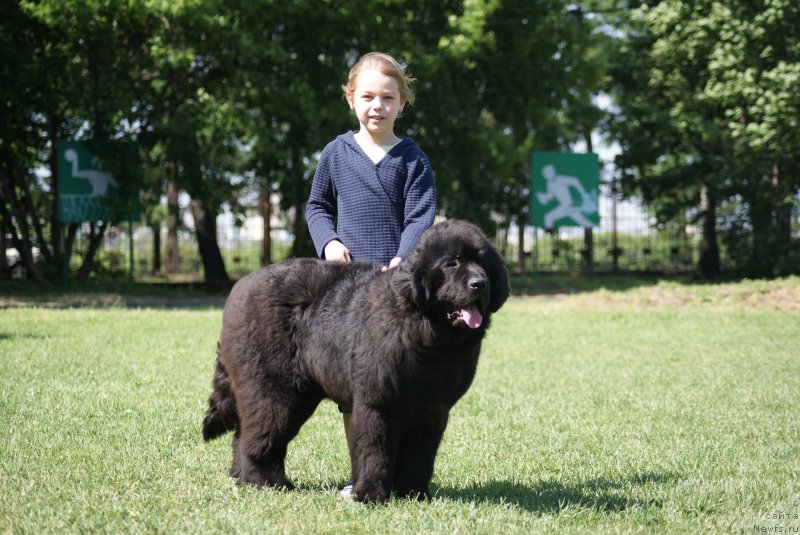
(386, 65)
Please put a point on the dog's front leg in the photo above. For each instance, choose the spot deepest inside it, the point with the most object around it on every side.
(373, 452)
(416, 453)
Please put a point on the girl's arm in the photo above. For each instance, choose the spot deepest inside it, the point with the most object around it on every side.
(321, 207)
(420, 204)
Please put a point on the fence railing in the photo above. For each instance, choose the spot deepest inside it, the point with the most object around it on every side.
(627, 240)
(633, 247)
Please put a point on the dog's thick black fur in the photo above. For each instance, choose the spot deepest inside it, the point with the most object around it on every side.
(400, 347)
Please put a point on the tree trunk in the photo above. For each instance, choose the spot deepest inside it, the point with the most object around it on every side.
(266, 213)
(301, 246)
(33, 215)
(205, 223)
(95, 240)
(588, 251)
(783, 214)
(5, 271)
(521, 243)
(173, 215)
(615, 251)
(72, 231)
(156, 229)
(762, 211)
(506, 231)
(21, 239)
(55, 221)
(709, 266)
(588, 232)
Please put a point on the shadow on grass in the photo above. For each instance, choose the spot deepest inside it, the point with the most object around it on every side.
(602, 495)
(544, 285)
(19, 336)
(107, 294)
(201, 295)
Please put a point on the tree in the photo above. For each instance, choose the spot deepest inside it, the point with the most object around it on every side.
(514, 76)
(754, 72)
(707, 117)
(189, 124)
(24, 103)
(227, 96)
(71, 66)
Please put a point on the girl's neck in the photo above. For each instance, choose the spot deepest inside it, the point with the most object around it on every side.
(383, 140)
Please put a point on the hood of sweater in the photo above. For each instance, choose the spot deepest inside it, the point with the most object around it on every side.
(350, 140)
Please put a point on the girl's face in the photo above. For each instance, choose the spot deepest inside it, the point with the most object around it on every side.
(376, 103)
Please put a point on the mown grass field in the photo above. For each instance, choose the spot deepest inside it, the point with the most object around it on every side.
(666, 408)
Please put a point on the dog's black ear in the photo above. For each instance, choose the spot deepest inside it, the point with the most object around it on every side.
(410, 280)
(498, 277)
(419, 283)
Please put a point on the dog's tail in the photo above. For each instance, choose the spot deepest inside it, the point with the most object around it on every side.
(221, 416)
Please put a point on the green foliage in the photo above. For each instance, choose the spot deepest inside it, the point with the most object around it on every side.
(708, 97)
(229, 97)
(234, 100)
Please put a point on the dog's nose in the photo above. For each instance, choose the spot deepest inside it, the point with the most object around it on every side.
(476, 283)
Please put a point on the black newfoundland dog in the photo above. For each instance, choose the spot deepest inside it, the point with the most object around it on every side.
(400, 347)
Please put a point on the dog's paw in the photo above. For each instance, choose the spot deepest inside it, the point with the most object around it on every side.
(375, 494)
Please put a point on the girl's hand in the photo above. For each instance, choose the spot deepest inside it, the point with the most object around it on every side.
(393, 264)
(335, 251)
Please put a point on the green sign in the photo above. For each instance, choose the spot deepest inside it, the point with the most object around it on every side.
(87, 191)
(564, 189)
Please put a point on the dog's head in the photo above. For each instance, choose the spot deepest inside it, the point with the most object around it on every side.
(455, 275)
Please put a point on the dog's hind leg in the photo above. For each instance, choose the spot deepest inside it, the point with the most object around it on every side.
(236, 464)
(264, 434)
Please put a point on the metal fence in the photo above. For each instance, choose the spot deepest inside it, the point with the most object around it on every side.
(627, 240)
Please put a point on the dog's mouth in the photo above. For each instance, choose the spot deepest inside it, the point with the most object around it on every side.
(467, 316)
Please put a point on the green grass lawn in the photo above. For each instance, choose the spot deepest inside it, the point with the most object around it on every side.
(655, 408)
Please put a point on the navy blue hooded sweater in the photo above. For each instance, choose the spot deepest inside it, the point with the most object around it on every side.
(378, 211)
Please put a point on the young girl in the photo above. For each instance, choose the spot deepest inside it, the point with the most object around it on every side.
(373, 193)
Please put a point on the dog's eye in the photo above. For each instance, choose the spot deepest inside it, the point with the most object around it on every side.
(454, 262)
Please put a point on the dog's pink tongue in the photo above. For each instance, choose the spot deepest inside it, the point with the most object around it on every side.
(471, 316)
